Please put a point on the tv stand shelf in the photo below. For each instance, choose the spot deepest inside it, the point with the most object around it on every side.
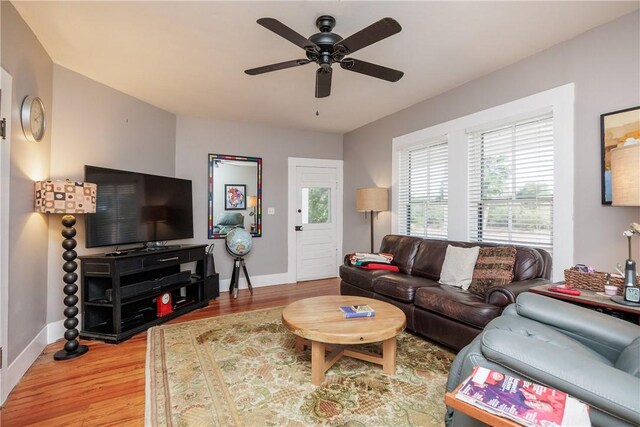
(120, 291)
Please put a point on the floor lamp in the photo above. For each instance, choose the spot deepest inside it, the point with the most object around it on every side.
(252, 202)
(372, 200)
(67, 198)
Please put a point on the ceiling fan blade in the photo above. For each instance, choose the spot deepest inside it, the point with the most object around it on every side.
(373, 33)
(283, 31)
(276, 67)
(323, 82)
(372, 70)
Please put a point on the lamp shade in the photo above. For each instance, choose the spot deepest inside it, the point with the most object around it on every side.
(65, 197)
(252, 201)
(625, 175)
(372, 199)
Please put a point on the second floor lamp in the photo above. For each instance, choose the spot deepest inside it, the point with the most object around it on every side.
(372, 200)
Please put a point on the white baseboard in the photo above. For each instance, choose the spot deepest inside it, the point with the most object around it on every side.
(23, 362)
(49, 334)
(56, 330)
(258, 281)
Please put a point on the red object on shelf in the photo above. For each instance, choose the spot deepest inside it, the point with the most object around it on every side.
(567, 291)
(164, 304)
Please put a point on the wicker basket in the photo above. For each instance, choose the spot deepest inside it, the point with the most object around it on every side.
(591, 281)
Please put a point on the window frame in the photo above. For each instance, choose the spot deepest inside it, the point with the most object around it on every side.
(427, 148)
(511, 201)
(561, 101)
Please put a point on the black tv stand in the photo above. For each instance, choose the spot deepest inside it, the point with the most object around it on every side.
(143, 249)
(157, 246)
(120, 289)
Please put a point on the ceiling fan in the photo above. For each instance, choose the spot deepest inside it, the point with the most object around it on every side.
(325, 48)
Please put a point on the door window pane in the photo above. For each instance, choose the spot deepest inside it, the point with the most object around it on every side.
(316, 205)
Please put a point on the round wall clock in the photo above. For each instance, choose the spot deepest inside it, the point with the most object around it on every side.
(33, 118)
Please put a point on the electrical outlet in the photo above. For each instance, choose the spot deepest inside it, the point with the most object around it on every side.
(271, 211)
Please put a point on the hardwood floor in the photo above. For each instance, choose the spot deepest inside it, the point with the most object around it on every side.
(105, 387)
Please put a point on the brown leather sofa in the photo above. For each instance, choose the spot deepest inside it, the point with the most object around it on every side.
(446, 314)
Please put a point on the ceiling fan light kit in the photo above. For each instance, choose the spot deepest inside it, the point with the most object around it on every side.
(326, 48)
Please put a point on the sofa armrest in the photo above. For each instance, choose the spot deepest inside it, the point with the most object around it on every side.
(605, 334)
(600, 385)
(502, 296)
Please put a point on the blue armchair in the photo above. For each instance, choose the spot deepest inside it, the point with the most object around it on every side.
(589, 355)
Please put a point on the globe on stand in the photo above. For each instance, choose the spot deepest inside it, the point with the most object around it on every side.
(239, 244)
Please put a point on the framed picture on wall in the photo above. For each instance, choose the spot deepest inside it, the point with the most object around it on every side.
(617, 129)
(235, 197)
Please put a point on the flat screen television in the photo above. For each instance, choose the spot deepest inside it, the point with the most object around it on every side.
(134, 207)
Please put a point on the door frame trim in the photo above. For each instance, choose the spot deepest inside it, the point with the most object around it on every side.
(293, 163)
(5, 153)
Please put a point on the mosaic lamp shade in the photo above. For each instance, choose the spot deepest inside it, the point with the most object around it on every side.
(65, 197)
(68, 198)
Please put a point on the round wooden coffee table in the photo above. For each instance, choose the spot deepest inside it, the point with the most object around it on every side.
(318, 322)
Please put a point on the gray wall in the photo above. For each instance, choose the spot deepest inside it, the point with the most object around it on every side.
(604, 64)
(88, 123)
(32, 70)
(94, 124)
(196, 138)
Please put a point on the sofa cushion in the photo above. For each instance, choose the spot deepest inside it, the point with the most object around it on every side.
(360, 278)
(629, 359)
(403, 248)
(400, 287)
(428, 261)
(430, 258)
(493, 268)
(458, 266)
(231, 218)
(456, 303)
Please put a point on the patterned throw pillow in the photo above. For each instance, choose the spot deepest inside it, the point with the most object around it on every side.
(494, 267)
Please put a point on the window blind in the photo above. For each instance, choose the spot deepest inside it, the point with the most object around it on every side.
(423, 190)
(511, 183)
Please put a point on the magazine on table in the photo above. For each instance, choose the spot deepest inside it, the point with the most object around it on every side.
(524, 402)
(352, 311)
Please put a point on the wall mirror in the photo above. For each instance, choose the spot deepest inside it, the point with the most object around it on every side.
(235, 195)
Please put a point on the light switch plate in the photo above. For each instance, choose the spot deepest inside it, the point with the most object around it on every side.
(271, 211)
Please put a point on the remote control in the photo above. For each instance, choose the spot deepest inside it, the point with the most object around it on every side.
(565, 291)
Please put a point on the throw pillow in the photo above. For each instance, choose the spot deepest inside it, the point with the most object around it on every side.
(457, 268)
(493, 268)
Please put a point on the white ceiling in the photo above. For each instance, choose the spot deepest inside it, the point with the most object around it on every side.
(188, 57)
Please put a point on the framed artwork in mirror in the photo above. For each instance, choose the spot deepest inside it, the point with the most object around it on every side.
(234, 195)
(617, 129)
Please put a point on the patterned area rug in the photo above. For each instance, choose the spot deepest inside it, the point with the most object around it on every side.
(243, 370)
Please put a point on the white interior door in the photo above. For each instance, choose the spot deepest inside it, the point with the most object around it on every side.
(316, 222)
(5, 113)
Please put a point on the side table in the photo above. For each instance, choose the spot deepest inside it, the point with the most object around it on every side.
(476, 413)
(593, 300)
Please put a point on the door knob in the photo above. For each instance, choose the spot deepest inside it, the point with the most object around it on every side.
(298, 228)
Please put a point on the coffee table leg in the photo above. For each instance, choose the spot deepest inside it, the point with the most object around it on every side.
(389, 356)
(317, 362)
(299, 343)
